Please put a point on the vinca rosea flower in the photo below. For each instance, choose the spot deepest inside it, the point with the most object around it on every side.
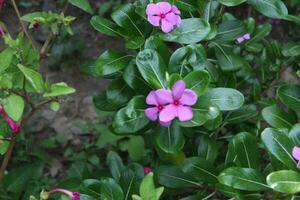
(14, 126)
(296, 155)
(170, 104)
(243, 38)
(165, 15)
(147, 170)
(72, 195)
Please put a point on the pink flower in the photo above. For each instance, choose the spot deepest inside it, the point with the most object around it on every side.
(147, 170)
(1, 4)
(170, 104)
(14, 126)
(243, 38)
(296, 155)
(1, 31)
(72, 195)
(163, 14)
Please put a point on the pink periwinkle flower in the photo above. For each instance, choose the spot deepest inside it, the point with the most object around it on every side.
(170, 104)
(1, 4)
(147, 170)
(165, 15)
(14, 126)
(243, 38)
(296, 155)
(72, 195)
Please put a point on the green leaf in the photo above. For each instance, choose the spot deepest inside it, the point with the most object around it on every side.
(226, 99)
(115, 164)
(279, 145)
(245, 149)
(198, 81)
(102, 103)
(148, 190)
(82, 4)
(285, 181)
(243, 179)
(152, 68)
(33, 77)
(169, 139)
(207, 148)
(290, 96)
(270, 8)
(105, 26)
(131, 118)
(5, 59)
(278, 118)
(191, 31)
(294, 134)
(260, 32)
(14, 106)
(34, 15)
(231, 2)
(118, 92)
(199, 168)
(174, 177)
(54, 106)
(59, 89)
(111, 62)
(3, 145)
(131, 145)
(291, 50)
(159, 46)
(243, 114)
(230, 30)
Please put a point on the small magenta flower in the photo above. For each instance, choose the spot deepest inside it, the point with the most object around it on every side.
(179, 102)
(72, 195)
(243, 38)
(147, 170)
(14, 126)
(1, 4)
(296, 155)
(158, 103)
(163, 14)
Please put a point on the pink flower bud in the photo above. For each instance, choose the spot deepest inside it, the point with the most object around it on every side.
(147, 170)
(72, 195)
(14, 126)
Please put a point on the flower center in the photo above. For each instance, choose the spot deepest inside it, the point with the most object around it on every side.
(176, 102)
(162, 16)
(160, 107)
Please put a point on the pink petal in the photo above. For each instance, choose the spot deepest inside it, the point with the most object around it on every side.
(184, 113)
(189, 97)
(247, 36)
(171, 18)
(178, 89)
(296, 153)
(152, 113)
(240, 40)
(152, 9)
(178, 21)
(168, 114)
(151, 99)
(176, 10)
(165, 124)
(166, 26)
(154, 20)
(164, 96)
(164, 7)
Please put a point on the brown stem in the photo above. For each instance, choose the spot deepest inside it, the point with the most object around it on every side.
(22, 24)
(7, 157)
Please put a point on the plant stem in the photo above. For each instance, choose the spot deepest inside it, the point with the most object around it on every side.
(22, 24)
(7, 157)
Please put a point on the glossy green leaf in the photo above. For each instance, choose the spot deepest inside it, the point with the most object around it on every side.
(285, 181)
(118, 92)
(243, 179)
(82, 4)
(198, 81)
(244, 113)
(152, 68)
(148, 190)
(105, 26)
(260, 32)
(270, 8)
(230, 30)
(191, 31)
(59, 89)
(115, 164)
(5, 59)
(159, 46)
(231, 2)
(294, 134)
(131, 118)
(14, 106)
(33, 77)
(290, 96)
(207, 148)
(291, 49)
(279, 145)
(102, 103)
(278, 118)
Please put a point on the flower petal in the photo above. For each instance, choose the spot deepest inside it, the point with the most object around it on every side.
(164, 7)
(175, 10)
(154, 20)
(178, 21)
(171, 18)
(152, 9)
(296, 153)
(189, 97)
(152, 113)
(247, 36)
(163, 96)
(240, 40)
(166, 26)
(165, 124)
(168, 114)
(185, 113)
(151, 99)
(178, 89)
